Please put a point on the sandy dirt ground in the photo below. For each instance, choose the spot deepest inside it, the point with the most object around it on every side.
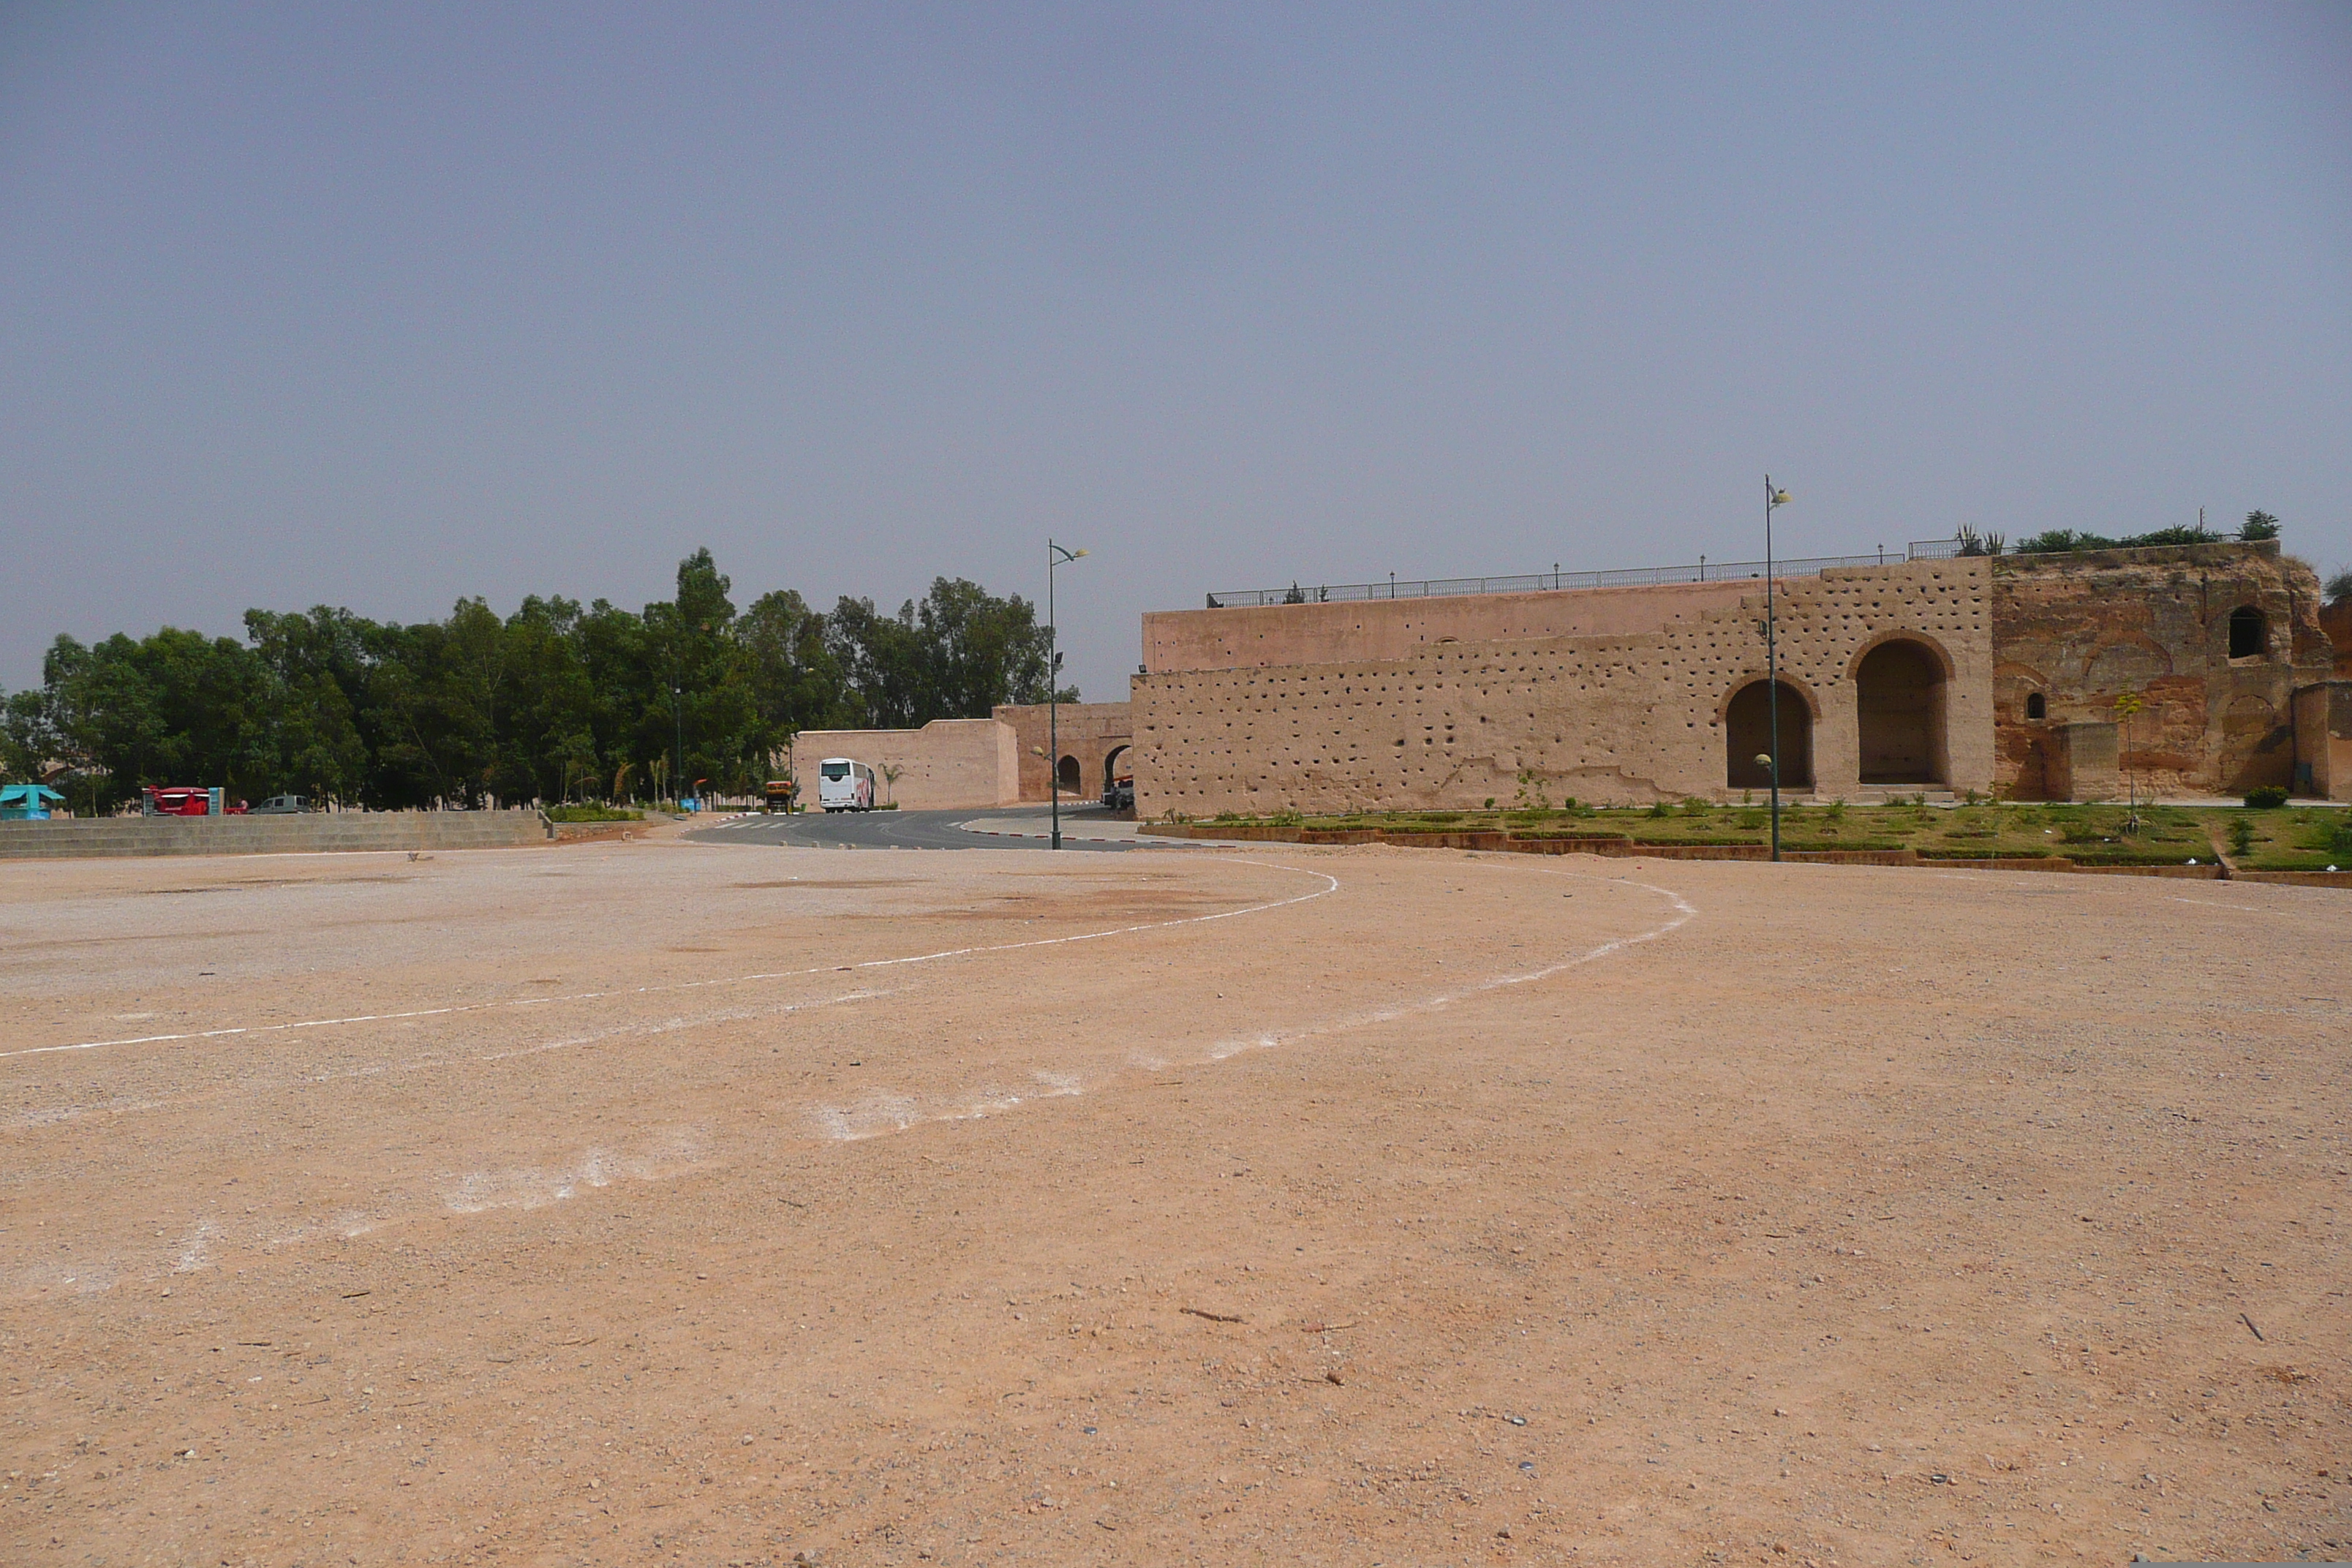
(663, 1202)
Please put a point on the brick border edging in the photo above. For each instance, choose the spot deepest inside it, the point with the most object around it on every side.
(2297, 878)
(1627, 848)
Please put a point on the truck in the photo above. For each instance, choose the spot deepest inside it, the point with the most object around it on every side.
(844, 784)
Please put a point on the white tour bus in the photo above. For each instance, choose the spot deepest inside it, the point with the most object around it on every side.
(842, 785)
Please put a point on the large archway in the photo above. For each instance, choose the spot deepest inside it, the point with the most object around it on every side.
(1898, 692)
(1070, 774)
(1748, 734)
(1112, 763)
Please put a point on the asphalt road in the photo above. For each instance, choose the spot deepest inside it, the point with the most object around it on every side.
(897, 830)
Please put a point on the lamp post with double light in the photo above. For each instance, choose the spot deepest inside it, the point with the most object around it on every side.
(1773, 498)
(1055, 556)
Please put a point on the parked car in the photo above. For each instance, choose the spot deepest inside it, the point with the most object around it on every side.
(281, 805)
(1119, 793)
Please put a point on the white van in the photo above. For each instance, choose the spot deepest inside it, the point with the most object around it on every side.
(842, 785)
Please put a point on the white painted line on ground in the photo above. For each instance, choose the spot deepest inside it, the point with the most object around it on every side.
(883, 1111)
(1331, 885)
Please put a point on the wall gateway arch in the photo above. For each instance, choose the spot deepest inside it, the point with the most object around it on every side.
(1900, 714)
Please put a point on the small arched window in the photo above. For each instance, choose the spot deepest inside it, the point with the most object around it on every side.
(2037, 706)
(2249, 635)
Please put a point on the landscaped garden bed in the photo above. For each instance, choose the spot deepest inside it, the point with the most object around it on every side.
(2152, 839)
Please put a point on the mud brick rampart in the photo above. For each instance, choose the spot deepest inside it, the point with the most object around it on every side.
(1887, 687)
(1093, 737)
(1988, 674)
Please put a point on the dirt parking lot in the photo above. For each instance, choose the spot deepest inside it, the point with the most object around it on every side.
(666, 1203)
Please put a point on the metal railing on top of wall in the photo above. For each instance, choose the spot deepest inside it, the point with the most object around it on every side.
(1550, 582)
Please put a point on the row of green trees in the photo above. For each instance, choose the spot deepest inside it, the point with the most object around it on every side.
(556, 701)
(2259, 525)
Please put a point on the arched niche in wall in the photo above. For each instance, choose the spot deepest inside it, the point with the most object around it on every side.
(1748, 734)
(2249, 633)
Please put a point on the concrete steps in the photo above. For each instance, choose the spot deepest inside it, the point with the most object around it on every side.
(319, 833)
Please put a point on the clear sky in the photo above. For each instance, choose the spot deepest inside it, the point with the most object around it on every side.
(379, 305)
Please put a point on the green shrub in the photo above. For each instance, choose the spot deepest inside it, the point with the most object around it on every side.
(2269, 797)
(2241, 836)
(592, 811)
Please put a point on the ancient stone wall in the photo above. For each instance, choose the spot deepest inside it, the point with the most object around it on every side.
(1631, 716)
(1093, 736)
(2072, 633)
(2323, 739)
(948, 765)
(2336, 620)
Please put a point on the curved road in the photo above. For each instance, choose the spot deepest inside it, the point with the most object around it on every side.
(901, 830)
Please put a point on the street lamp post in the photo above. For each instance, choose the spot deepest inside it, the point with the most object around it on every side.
(1055, 556)
(1773, 498)
(677, 712)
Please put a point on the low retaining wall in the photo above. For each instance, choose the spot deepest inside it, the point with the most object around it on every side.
(589, 832)
(311, 833)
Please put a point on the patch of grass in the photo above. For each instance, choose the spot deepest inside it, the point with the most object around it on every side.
(2309, 838)
(2094, 834)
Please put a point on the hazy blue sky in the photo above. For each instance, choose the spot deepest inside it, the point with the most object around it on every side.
(379, 305)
